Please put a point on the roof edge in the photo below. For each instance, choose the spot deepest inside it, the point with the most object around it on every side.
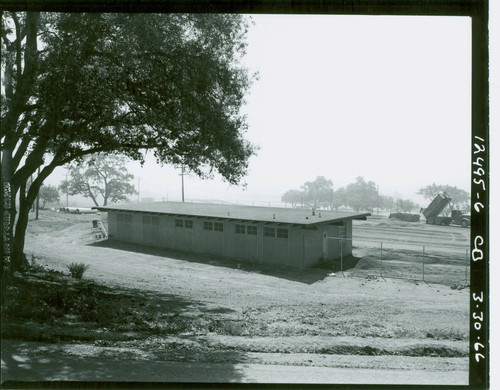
(361, 216)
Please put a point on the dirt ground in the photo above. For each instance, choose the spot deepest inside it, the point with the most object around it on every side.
(249, 313)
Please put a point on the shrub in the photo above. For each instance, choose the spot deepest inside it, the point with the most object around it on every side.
(77, 270)
(35, 267)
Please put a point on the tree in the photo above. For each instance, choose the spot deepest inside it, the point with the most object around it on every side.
(318, 193)
(294, 197)
(78, 84)
(406, 205)
(48, 194)
(362, 195)
(386, 202)
(339, 198)
(460, 198)
(100, 176)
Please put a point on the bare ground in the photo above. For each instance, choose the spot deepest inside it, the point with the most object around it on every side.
(229, 312)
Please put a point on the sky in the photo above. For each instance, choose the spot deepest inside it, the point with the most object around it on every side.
(386, 98)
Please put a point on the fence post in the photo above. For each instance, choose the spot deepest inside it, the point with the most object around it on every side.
(423, 263)
(381, 274)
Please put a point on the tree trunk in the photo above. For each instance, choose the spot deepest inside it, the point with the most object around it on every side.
(18, 257)
(91, 195)
(6, 209)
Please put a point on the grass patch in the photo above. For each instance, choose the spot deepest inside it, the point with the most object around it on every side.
(77, 270)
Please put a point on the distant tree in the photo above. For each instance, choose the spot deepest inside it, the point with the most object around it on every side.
(339, 198)
(294, 197)
(100, 176)
(318, 193)
(386, 202)
(362, 195)
(48, 194)
(459, 197)
(407, 206)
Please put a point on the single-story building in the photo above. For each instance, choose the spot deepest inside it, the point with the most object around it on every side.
(283, 236)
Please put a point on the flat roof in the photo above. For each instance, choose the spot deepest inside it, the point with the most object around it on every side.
(236, 212)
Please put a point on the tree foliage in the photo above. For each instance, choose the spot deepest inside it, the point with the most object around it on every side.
(294, 197)
(359, 195)
(318, 193)
(460, 197)
(315, 194)
(340, 198)
(77, 84)
(362, 195)
(48, 194)
(100, 176)
(406, 205)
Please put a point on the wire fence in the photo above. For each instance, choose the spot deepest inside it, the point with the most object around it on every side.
(432, 263)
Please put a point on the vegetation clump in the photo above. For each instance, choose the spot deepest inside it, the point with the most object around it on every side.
(77, 270)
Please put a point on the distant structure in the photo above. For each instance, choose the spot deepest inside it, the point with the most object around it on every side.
(281, 236)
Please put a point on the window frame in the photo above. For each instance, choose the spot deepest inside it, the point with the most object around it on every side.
(267, 232)
(251, 230)
(218, 226)
(179, 223)
(282, 233)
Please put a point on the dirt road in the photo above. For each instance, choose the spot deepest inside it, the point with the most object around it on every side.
(413, 234)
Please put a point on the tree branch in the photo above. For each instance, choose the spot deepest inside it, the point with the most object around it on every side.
(17, 44)
(20, 152)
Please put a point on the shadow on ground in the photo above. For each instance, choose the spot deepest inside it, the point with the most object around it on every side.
(306, 275)
(28, 364)
(111, 335)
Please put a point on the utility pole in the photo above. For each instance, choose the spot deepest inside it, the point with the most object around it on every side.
(182, 176)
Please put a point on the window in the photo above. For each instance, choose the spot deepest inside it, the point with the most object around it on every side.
(269, 232)
(155, 221)
(218, 226)
(342, 232)
(184, 223)
(146, 219)
(240, 229)
(252, 230)
(128, 218)
(282, 233)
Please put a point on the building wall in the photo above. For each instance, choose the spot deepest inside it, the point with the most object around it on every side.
(112, 233)
(338, 239)
(279, 244)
